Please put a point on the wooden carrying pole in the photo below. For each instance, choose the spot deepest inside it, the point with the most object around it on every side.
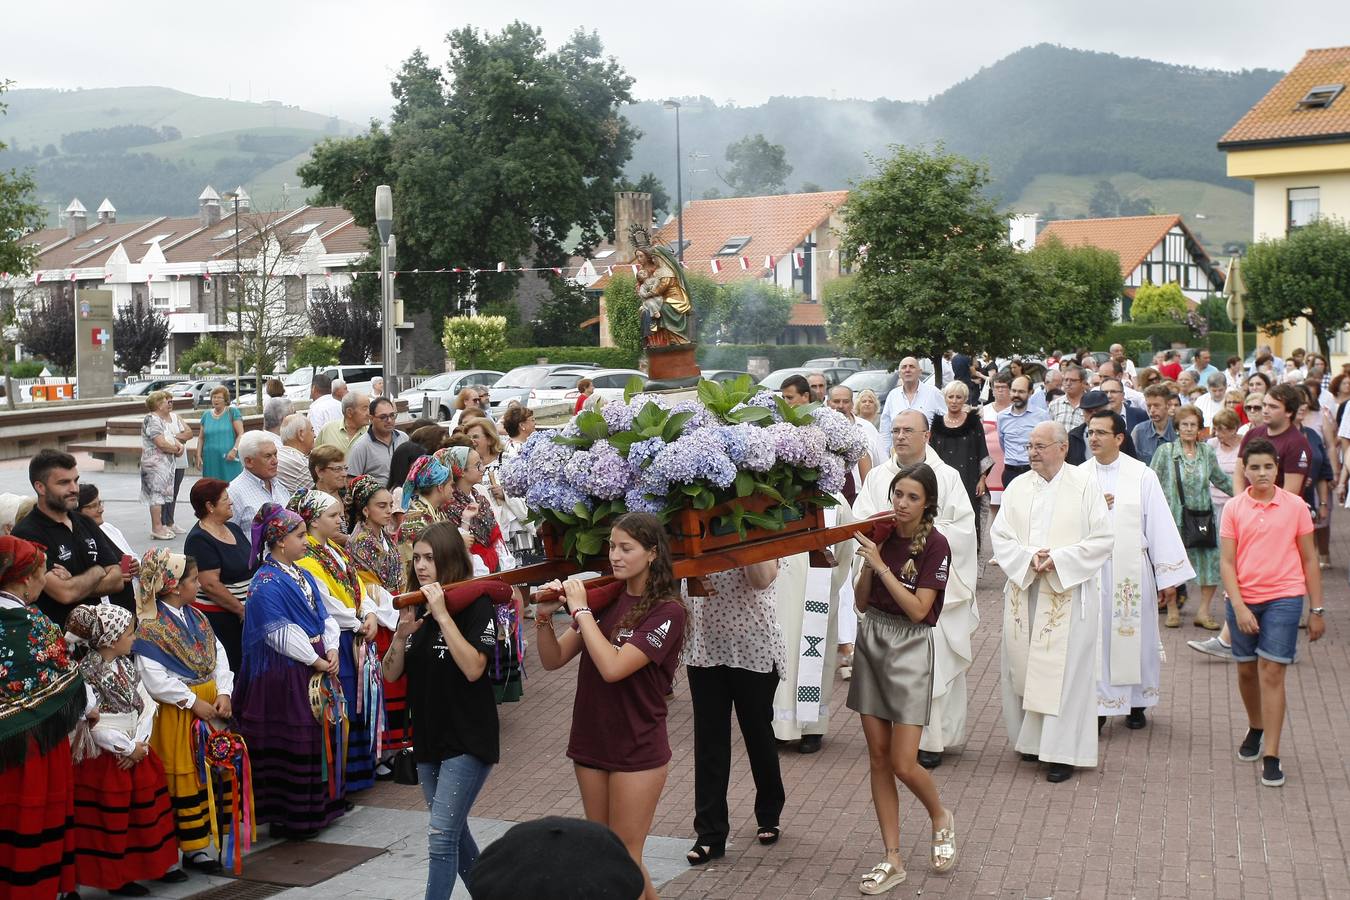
(747, 554)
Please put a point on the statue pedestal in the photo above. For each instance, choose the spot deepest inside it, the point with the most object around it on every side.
(675, 363)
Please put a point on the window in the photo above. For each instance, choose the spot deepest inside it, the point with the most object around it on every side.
(1304, 205)
(734, 245)
(307, 228)
(604, 254)
(92, 242)
(158, 237)
(1321, 96)
(226, 235)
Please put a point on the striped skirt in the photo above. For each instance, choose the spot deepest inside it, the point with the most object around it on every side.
(398, 727)
(37, 818)
(360, 755)
(124, 823)
(172, 741)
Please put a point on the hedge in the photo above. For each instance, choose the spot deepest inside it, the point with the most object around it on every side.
(781, 356)
(1222, 344)
(605, 357)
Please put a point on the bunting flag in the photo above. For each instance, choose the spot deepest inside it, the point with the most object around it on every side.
(769, 262)
(635, 271)
(609, 270)
(799, 261)
(745, 263)
(72, 275)
(715, 265)
(37, 279)
(501, 267)
(556, 270)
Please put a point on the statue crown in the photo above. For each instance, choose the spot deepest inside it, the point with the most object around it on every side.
(639, 236)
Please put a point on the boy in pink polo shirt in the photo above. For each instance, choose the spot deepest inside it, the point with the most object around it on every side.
(1268, 561)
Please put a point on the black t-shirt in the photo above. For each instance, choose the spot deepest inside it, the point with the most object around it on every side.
(452, 715)
(77, 548)
(231, 559)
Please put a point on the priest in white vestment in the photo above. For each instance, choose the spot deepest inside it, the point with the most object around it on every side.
(1148, 557)
(840, 400)
(955, 521)
(1051, 538)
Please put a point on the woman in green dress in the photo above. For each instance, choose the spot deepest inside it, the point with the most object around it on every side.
(218, 446)
(1198, 467)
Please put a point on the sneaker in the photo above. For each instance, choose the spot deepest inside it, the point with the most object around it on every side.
(1213, 647)
(1271, 773)
(1250, 748)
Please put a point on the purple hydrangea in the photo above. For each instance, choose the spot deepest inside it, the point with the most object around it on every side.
(766, 399)
(841, 435)
(749, 447)
(618, 416)
(556, 494)
(696, 456)
(702, 418)
(600, 472)
(643, 452)
(638, 502)
(832, 471)
(540, 459)
(796, 445)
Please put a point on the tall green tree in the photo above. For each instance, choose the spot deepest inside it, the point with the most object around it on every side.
(558, 321)
(20, 213)
(1077, 292)
(355, 320)
(933, 265)
(1305, 275)
(47, 328)
(510, 153)
(140, 334)
(756, 167)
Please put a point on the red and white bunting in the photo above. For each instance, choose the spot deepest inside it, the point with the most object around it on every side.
(745, 263)
(609, 270)
(37, 279)
(557, 270)
(634, 268)
(799, 261)
(72, 275)
(715, 265)
(769, 262)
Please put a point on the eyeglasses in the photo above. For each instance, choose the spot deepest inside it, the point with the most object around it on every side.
(1256, 407)
(96, 504)
(387, 417)
(336, 467)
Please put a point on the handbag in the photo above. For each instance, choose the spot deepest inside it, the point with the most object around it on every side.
(1197, 526)
(405, 767)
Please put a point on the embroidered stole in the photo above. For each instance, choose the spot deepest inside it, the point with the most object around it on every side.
(1127, 572)
(1038, 649)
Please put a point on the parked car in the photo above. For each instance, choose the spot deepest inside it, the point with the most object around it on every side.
(149, 385)
(199, 391)
(521, 383)
(878, 380)
(435, 397)
(774, 380)
(835, 362)
(723, 375)
(297, 382)
(608, 383)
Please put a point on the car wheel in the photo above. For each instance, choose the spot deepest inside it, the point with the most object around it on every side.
(445, 414)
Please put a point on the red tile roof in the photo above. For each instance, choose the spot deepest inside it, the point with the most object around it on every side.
(1129, 237)
(808, 314)
(346, 238)
(1277, 118)
(776, 226)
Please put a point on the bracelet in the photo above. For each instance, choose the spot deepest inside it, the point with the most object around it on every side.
(579, 610)
(882, 573)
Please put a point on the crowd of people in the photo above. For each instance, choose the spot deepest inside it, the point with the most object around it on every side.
(1101, 490)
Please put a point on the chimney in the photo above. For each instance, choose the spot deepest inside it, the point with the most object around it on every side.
(107, 213)
(630, 208)
(1022, 231)
(77, 218)
(242, 198)
(209, 206)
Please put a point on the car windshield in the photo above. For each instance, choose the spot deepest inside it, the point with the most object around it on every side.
(131, 390)
(299, 377)
(876, 381)
(561, 381)
(437, 382)
(523, 377)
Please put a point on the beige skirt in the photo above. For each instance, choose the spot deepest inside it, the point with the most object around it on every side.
(892, 669)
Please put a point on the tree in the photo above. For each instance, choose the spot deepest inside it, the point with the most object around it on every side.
(833, 296)
(1159, 304)
(621, 309)
(468, 340)
(317, 351)
(1078, 289)
(558, 322)
(753, 312)
(1214, 310)
(205, 357)
(512, 153)
(354, 320)
(1305, 275)
(649, 184)
(756, 167)
(20, 213)
(140, 334)
(934, 267)
(1106, 202)
(269, 301)
(47, 328)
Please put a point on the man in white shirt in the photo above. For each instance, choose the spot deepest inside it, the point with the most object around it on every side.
(258, 483)
(323, 406)
(297, 437)
(1212, 402)
(910, 393)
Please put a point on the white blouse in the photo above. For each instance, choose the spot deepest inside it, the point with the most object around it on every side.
(737, 627)
(167, 687)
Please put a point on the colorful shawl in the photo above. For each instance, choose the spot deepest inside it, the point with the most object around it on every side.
(333, 568)
(419, 517)
(377, 560)
(115, 682)
(278, 596)
(186, 648)
(41, 691)
(483, 526)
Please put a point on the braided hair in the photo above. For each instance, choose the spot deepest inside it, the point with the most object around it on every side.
(923, 474)
(662, 585)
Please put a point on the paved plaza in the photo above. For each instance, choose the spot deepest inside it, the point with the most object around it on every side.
(1169, 812)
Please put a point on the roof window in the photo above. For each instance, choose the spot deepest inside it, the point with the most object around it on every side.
(604, 254)
(159, 237)
(734, 245)
(92, 242)
(1321, 96)
(226, 235)
(307, 228)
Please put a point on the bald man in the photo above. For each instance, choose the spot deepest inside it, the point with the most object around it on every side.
(911, 393)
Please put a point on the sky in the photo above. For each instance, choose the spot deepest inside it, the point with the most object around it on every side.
(338, 57)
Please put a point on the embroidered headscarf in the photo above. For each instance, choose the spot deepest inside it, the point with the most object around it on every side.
(310, 503)
(160, 571)
(98, 625)
(426, 473)
(19, 559)
(359, 492)
(454, 458)
(272, 523)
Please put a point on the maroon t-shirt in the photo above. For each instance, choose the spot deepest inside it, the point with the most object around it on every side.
(931, 569)
(1295, 456)
(621, 726)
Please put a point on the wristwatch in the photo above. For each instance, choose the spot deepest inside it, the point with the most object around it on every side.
(1318, 610)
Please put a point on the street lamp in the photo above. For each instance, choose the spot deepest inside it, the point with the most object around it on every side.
(384, 221)
(679, 183)
(233, 196)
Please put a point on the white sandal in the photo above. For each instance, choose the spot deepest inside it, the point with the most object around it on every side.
(882, 878)
(944, 846)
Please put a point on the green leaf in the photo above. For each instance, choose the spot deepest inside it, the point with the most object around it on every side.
(624, 441)
(768, 491)
(583, 443)
(589, 543)
(745, 484)
(593, 425)
(710, 392)
(691, 490)
(650, 415)
(809, 475)
(569, 542)
(704, 499)
(743, 384)
(563, 518)
(582, 513)
(749, 414)
(633, 388)
(674, 425)
(773, 523)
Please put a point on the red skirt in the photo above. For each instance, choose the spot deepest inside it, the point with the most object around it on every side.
(37, 834)
(124, 826)
(398, 730)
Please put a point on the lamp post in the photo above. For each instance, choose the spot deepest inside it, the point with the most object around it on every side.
(233, 197)
(384, 221)
(679, 184)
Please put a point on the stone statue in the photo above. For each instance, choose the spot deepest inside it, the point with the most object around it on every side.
(667, 314)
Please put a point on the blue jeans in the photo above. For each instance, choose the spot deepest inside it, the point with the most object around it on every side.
(1277, 640)
(450, 787)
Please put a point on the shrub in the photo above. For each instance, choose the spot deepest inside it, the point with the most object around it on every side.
(621, 308)
(605, 357)
(1159, 304)
(317, 351)
(469, 340)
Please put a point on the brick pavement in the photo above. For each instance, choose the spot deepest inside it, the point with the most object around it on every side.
(1169, 812)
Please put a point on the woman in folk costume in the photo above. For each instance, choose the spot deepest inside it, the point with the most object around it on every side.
(425, 491)
(184, 668)
(294, 722)
(472, 513)
(124, 825)
(42, 698)
(370, 511)
(353, 608)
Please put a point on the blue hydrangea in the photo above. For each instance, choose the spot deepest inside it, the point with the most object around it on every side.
(832, 471)
(618, 416)
(749, 447)
(540, 459)
(765, 399)
(697, 456)
(702, 418)
(841, 435)
(556, 494)
(796, 445)
(643, 452)
(638, 502)
(600, 472)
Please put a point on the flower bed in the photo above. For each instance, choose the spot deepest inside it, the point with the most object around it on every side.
(739, 455)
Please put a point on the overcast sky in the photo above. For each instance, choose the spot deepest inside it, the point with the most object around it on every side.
(337, 57)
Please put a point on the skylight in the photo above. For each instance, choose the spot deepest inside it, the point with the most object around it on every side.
(159, 237)
(604, 254)
(1321, 96)
(92, 242)
(734, 245)
(226, 235)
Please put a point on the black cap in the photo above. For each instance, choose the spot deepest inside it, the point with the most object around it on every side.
(1093, 400)
(556, 858)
